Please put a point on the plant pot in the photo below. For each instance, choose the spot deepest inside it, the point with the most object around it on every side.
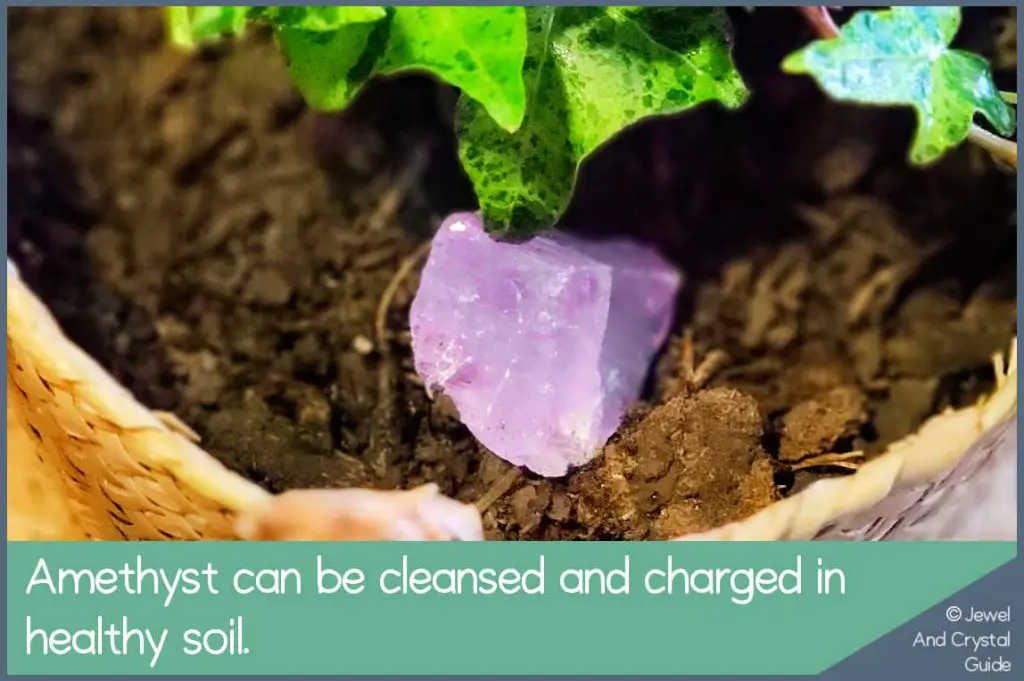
(87, 461)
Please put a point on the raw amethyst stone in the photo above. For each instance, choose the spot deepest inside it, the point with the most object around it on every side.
(542, 345)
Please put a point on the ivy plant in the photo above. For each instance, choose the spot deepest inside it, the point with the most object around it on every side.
(542, 88)
(590, 73)
(902, 56)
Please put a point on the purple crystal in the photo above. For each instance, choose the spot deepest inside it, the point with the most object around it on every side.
(543, 345)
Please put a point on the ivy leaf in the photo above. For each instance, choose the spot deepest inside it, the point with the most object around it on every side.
(189, 26)
(319, 18)
(477, 49)
(589, 72)
(332, 51)
(322, 45)
(328, 67)
(902, 56)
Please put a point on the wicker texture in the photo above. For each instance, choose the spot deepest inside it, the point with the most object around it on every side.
(37, 507)
(125, 474)
(974, 500)
(91, 462)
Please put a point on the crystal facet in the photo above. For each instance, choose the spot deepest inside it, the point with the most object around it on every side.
(542, 345)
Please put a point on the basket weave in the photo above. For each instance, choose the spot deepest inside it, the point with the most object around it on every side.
(123, 473)
(87, 461)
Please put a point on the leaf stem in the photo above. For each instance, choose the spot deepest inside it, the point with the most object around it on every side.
(1001, 148)
(820, 20)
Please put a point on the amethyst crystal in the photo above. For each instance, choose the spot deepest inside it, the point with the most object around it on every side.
(542, 345)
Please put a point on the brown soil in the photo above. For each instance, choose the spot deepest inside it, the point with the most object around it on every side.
(224, 252)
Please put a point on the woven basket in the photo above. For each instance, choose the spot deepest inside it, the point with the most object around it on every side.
(87, 461)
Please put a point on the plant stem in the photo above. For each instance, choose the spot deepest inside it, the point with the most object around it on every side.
(820, 19)
(1001, 148)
